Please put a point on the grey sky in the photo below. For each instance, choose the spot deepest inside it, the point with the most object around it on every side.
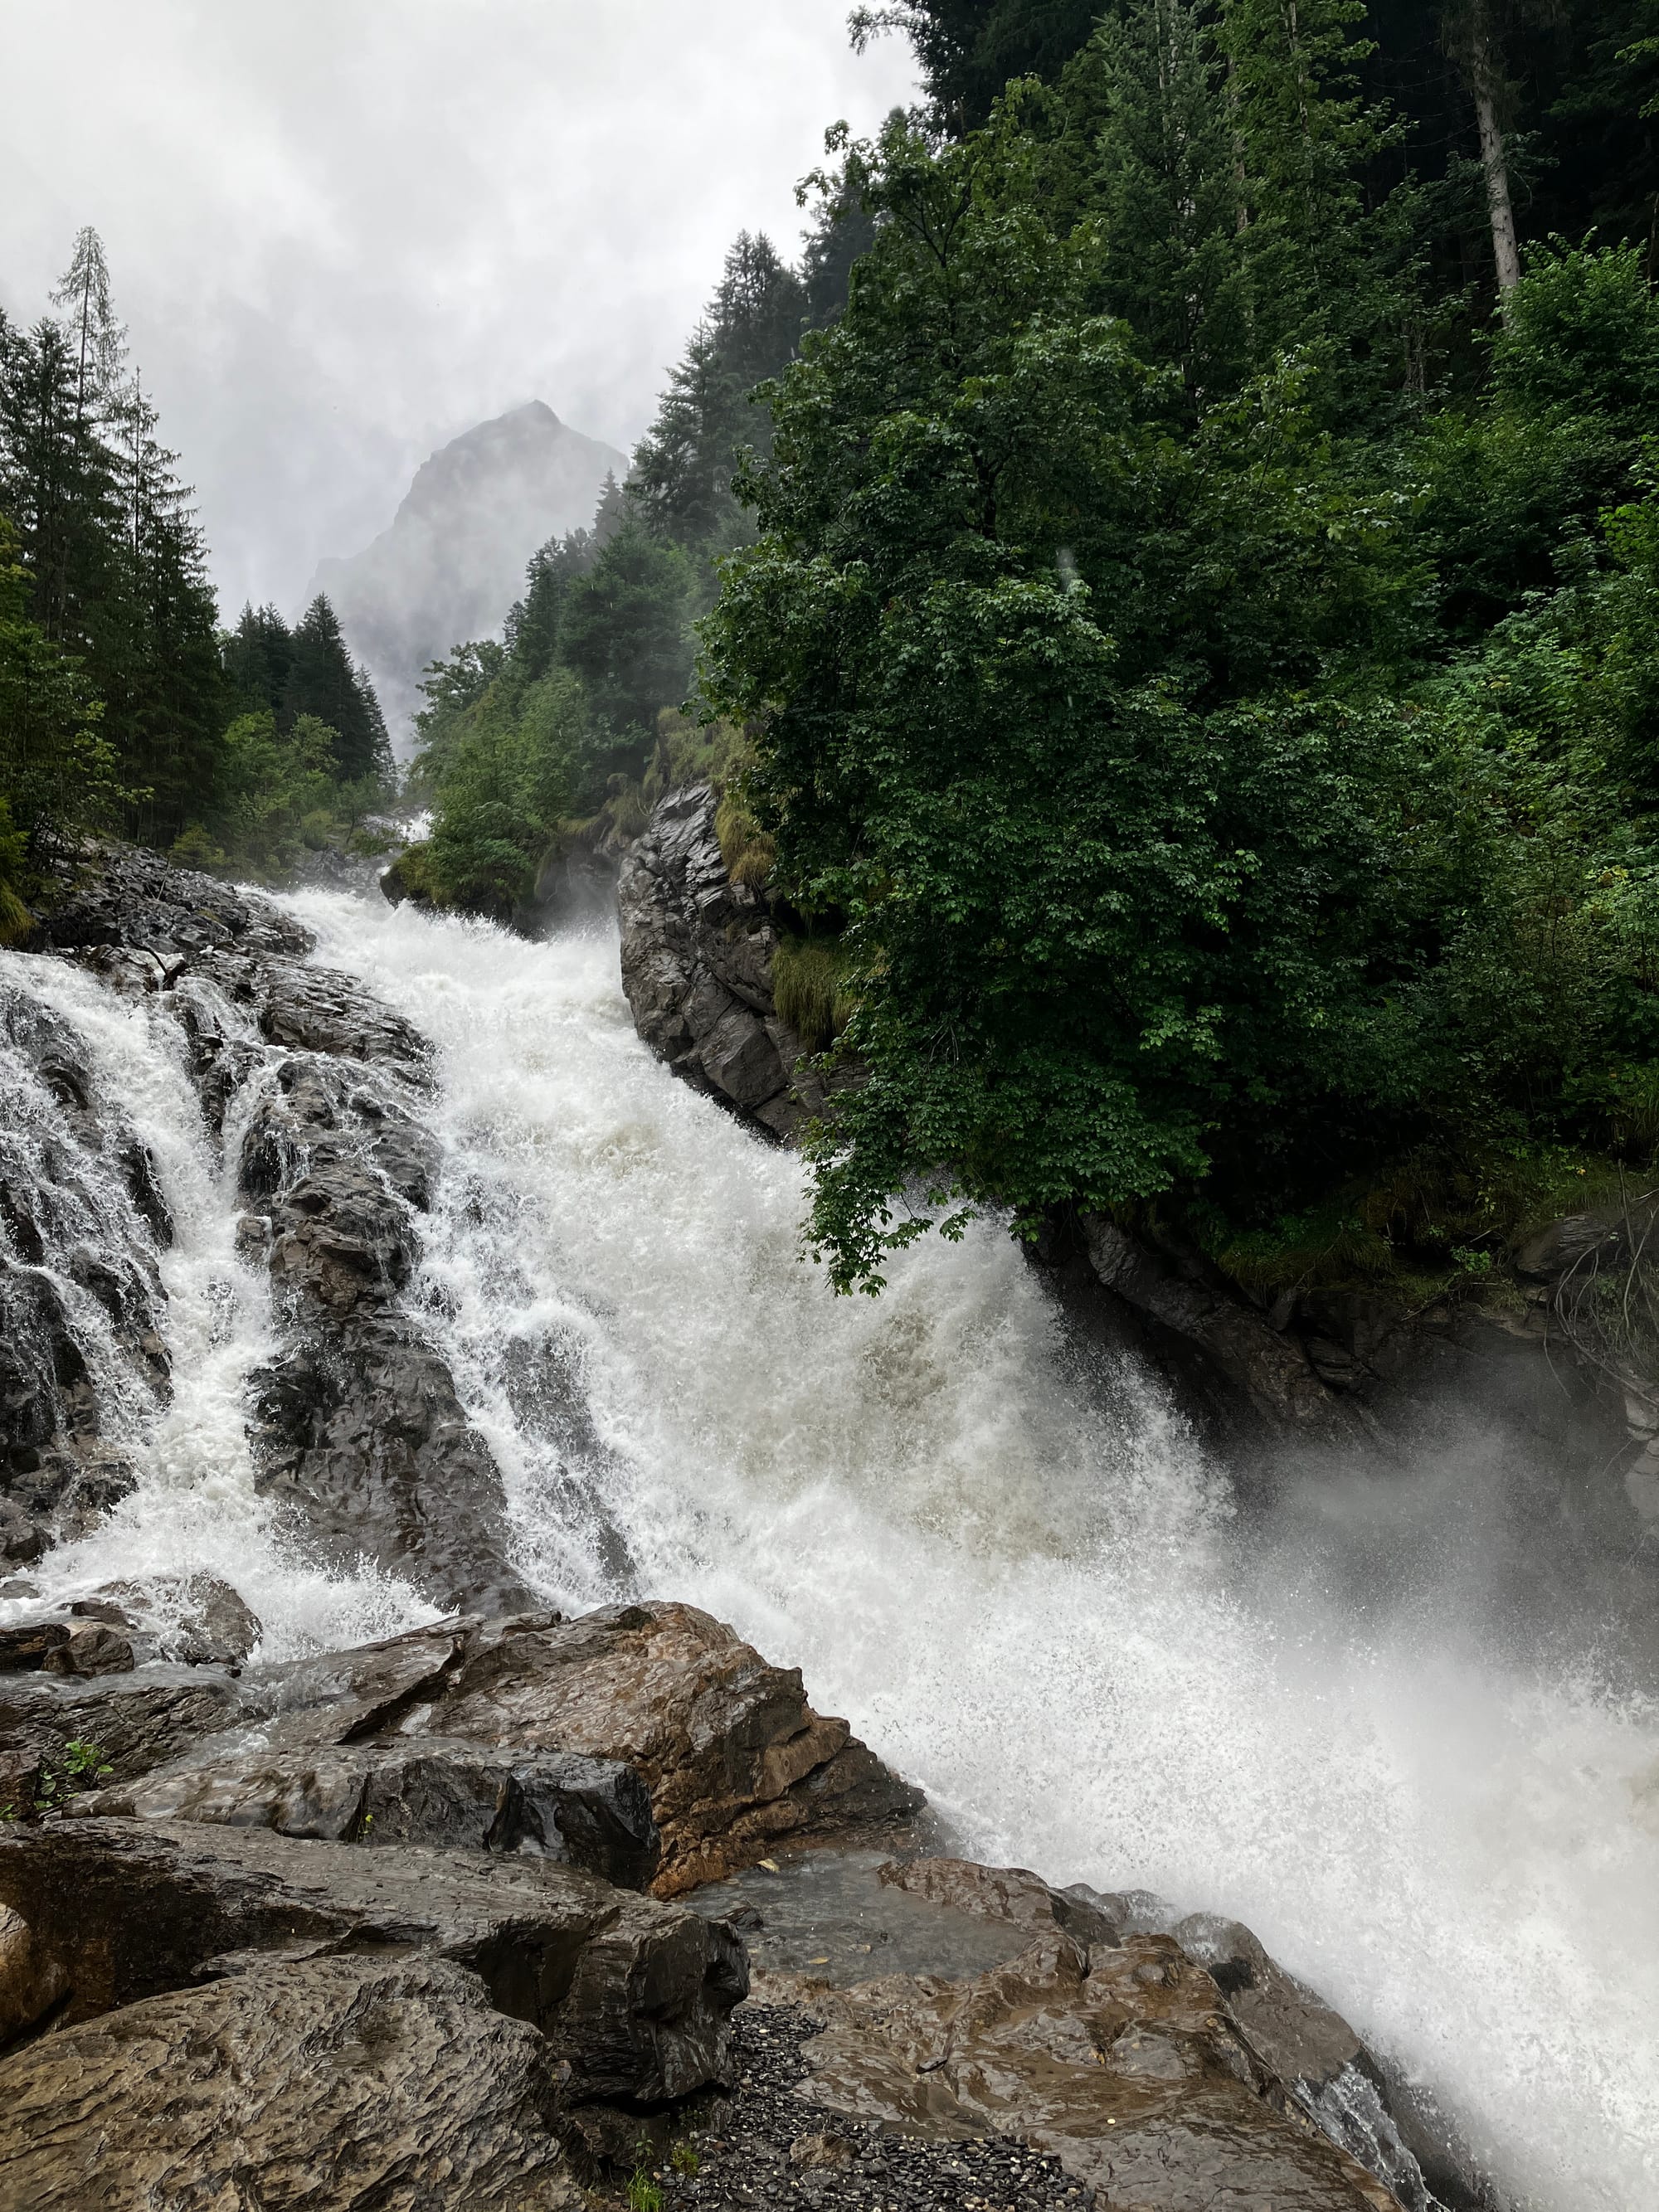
(343, 231)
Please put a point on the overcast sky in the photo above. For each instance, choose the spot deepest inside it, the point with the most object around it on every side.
(343, 231)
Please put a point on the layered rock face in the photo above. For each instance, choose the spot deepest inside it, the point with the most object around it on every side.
(1162, 2069)
(378, 1918)
(318, 1091)
(696, 965)
(646, 1743)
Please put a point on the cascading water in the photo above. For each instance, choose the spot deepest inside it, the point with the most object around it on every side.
(1021, 1582)
(1026, 1594)
(194, 1508)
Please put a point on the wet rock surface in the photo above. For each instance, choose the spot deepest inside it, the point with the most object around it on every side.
(696, 958)
(633, 1996)
(1079, 2029)
(353, 2083)
(1119, 2058)
(356, 1421)
(646, 1743)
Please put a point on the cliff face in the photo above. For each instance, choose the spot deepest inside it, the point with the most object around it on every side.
(453, 559)
(1342, 1369)
(697, 962)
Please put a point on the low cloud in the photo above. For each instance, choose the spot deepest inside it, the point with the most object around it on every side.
(342, 233)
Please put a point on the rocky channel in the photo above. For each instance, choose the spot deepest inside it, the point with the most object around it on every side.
(1317, 1369)
(470, 1916)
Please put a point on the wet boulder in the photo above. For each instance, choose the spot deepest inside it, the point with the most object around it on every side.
(91, 1648)
(137, 1721)
(632, 1996)
(370, 2085)
(1119, 2058)
(358, 1429)
(637, 1737)
(1298, 2054)
(593, 1813)
(734, 1758)
(196, 1620)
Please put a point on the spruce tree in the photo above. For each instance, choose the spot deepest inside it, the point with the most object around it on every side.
(324, 681)
(258, 655)
(1163, 189)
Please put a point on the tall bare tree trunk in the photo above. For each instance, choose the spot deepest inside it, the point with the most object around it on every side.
(1476, 44)
(1504, 251)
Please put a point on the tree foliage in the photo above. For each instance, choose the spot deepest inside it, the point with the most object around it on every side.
(1226, 762)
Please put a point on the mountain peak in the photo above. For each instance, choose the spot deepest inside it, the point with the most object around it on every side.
(452, 560)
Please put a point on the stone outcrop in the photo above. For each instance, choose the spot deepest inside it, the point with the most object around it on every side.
(356, 1422)
(646, 1743)
(374, 1922)
(1157, 2083)
(632, 1994)
(364, 2084)
(696, 959)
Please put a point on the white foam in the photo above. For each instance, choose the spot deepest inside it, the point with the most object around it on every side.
(1037, 1608)
(195, 1508)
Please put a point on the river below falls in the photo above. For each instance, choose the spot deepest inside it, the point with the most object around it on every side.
(1011, 1567)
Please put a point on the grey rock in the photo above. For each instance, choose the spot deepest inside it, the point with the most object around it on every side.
(593, 1813)
(138, 1721)
(365, 2085)
(696, 954)
(197, 1619)
(646, 1743)
(633, 1996)
(1298, 2040)
(359, 1428)
(91, 1648)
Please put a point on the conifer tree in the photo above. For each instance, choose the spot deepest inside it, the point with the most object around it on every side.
(1165, 185)
(683, 467)
(258, 655)
(323, 681)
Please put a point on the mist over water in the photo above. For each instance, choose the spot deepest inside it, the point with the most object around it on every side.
(1026, 1587)
(1005, 1560)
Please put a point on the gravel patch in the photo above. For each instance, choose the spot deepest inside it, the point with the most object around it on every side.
(765, 2147)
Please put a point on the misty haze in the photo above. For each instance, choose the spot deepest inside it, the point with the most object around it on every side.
(829, 1107)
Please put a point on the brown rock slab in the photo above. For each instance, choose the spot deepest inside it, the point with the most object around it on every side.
(91, 1648)
(1123, 2064)
(632, 1996)
(734, 1757)
(351, 2082)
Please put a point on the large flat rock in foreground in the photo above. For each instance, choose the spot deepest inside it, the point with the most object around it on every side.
(644, 1742)
(361, 2084)
(631, 1996)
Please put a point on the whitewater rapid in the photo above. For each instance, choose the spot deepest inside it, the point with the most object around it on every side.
(1022, 1582)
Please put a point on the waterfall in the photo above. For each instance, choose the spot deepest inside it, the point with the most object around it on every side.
(195, 1506)
(1006, 1562)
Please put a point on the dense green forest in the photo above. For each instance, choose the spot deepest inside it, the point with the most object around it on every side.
(1167, 586)
(1174, 584)
(1202, 642)
(124, 708)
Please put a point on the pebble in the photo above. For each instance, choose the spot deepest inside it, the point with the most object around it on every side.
(765, 2146)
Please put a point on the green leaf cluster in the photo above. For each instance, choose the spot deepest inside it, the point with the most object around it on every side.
(1227, 762)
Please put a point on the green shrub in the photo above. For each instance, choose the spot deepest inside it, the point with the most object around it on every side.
(748, 851)
(809, 989)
